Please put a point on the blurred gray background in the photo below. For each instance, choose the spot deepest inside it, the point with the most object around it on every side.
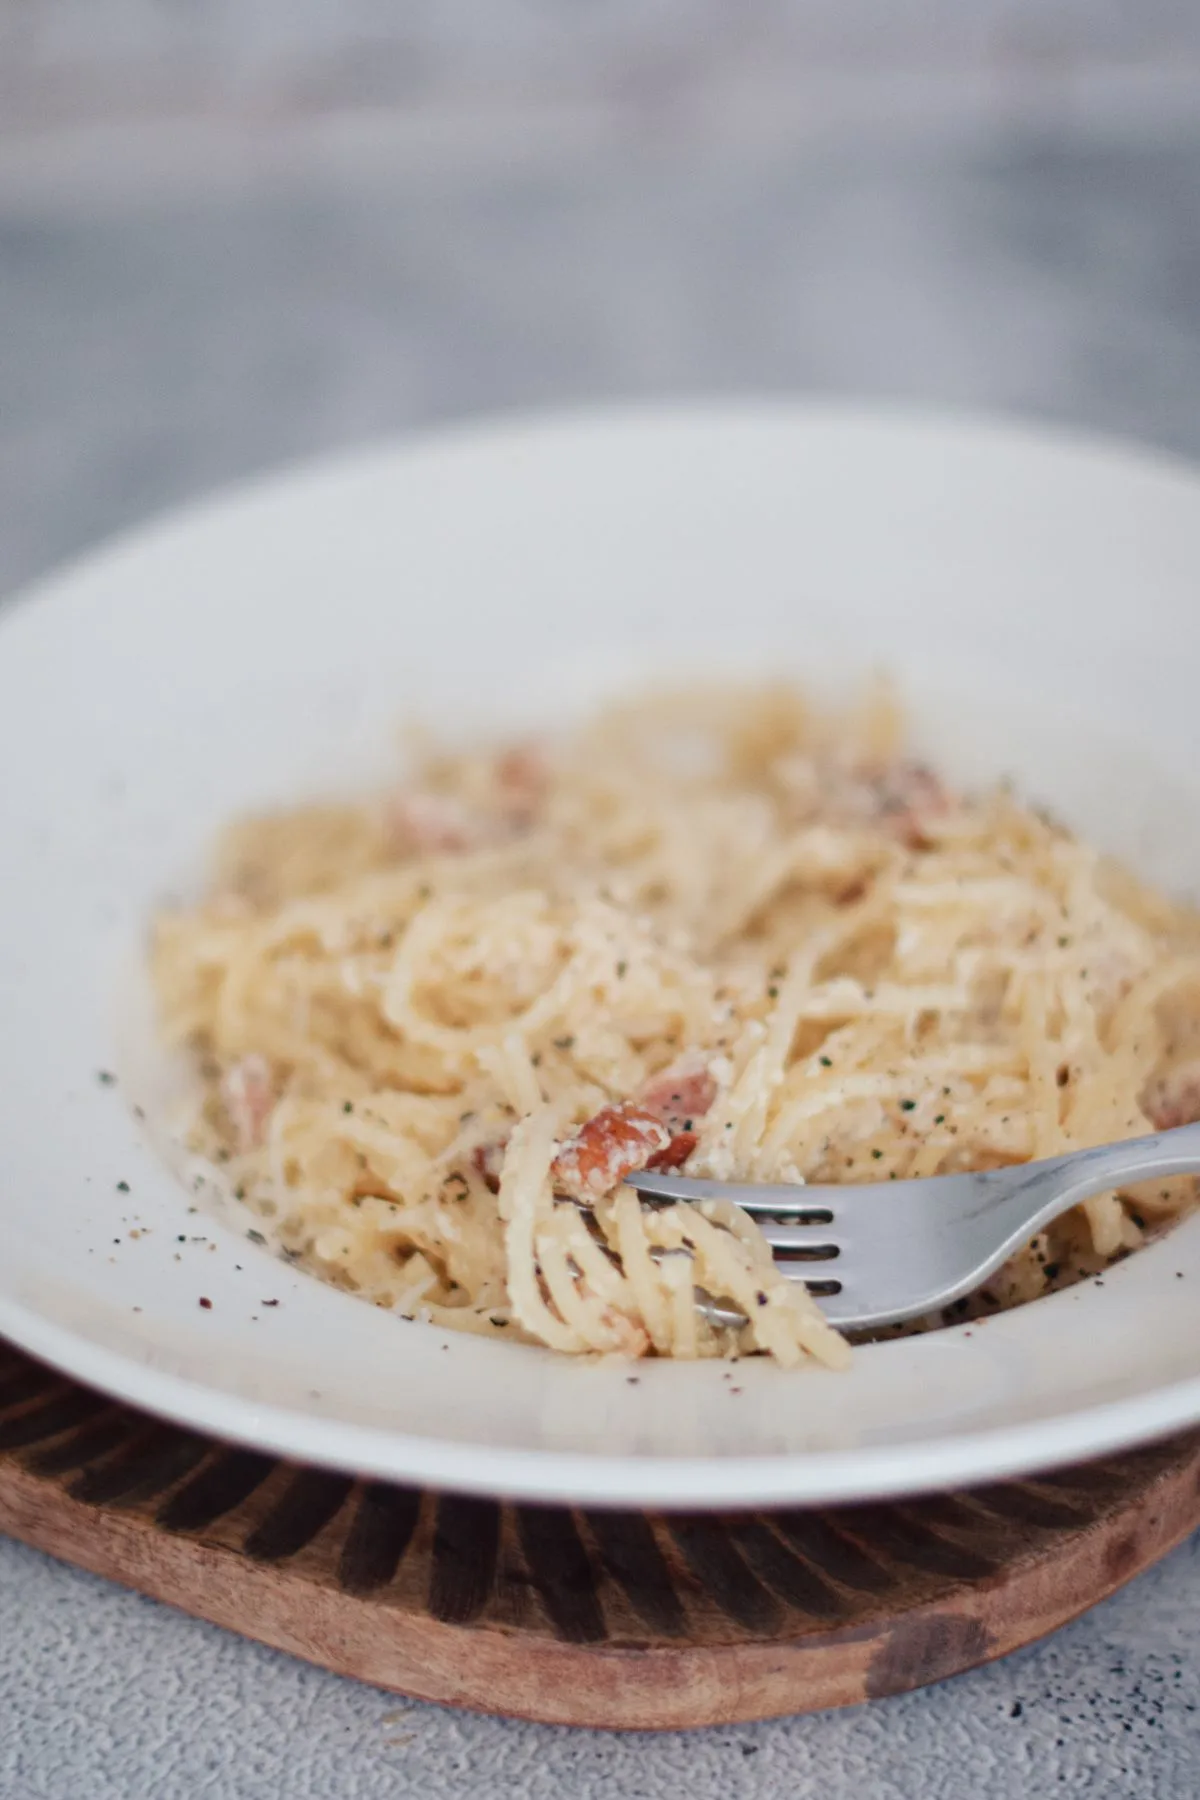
(236, 232)
(100, 55)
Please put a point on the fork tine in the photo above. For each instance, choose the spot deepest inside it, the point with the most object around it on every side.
(788, 1200)
(799, 1241)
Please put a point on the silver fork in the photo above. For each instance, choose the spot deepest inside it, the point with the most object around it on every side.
(886, 1251)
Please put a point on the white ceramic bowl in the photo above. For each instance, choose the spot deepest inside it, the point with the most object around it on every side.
(1038, 598)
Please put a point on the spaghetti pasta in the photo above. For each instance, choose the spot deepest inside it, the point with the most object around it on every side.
(437, 1028)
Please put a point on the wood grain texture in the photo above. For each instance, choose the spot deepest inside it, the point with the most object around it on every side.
(577, 1617)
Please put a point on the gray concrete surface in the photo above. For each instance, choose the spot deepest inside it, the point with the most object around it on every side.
(106, 1696)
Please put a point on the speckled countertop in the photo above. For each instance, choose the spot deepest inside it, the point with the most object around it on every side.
(157, 340)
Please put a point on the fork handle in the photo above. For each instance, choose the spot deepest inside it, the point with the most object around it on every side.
(1003, 1209)
(1055, 1185)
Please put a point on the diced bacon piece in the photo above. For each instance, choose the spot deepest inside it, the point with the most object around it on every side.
(902, 796)
(430, 824)
(522, 775)
(676, 1152)
(615, 1142)
(489, 1160)
(248, 1096)
(422, 822)
(1173, 1098)
(679, 1094)
(907, 795)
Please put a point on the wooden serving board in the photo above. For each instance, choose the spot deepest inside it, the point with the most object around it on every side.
(577, 1617)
